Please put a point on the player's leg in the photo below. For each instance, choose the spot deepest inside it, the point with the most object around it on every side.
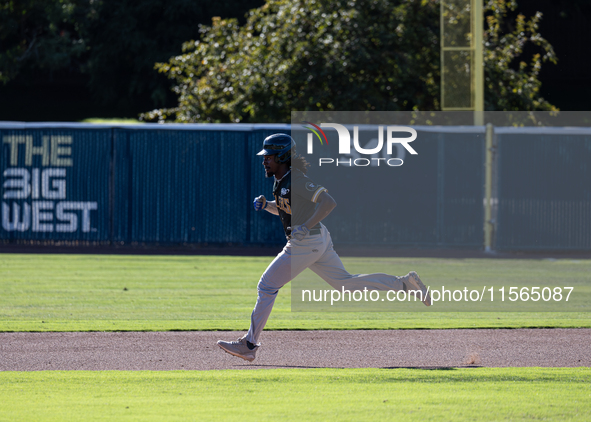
(295, 258)
(277, 275)
(280, 272)
(331, 269)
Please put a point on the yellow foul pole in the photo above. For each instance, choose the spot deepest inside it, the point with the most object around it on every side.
(478, 38)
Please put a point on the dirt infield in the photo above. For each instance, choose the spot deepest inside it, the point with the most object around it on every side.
(297, 349)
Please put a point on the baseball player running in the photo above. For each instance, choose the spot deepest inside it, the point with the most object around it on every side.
(309, 244)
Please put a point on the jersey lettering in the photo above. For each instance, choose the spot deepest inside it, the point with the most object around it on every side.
(284, 205)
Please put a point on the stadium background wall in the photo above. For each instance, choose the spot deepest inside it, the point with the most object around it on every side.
(194, 184)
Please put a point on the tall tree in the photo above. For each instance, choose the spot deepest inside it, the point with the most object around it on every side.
(130, 36)
(511, 83)
(111, 45)
(42, 34)
(342, 55)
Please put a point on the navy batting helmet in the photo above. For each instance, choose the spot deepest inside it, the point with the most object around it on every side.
(281, 144)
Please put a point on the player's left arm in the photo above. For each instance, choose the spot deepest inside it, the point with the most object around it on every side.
(326, 204)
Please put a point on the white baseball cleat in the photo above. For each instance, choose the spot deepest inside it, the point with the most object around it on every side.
(414, 285)
(239, 348)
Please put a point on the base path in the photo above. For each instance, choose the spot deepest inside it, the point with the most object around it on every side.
(297, 349)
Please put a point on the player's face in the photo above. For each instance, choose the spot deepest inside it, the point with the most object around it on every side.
(271, 166)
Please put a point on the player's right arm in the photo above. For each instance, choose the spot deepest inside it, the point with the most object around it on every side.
(326, 204)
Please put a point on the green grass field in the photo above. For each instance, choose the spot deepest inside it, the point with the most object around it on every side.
(118, 293)
(112, 293)
(469, 394)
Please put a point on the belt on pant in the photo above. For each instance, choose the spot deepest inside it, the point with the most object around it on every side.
(312, 232)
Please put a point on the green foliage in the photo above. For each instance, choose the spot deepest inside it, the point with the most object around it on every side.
(114, 43)
(42, 34)
(340, 55)
(512, 84)
(130, 36)
(308, 55)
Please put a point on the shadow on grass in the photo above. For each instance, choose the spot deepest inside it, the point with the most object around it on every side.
(427, 368)
(434, 368)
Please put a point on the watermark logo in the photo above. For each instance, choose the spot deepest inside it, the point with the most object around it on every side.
(378, 151)
(316, 130)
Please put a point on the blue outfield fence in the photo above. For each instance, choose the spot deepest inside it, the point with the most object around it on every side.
(140, 184)
(194, 184)
(189, 186)
(544, 189)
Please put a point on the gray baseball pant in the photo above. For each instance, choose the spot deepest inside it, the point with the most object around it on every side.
(315, 252)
